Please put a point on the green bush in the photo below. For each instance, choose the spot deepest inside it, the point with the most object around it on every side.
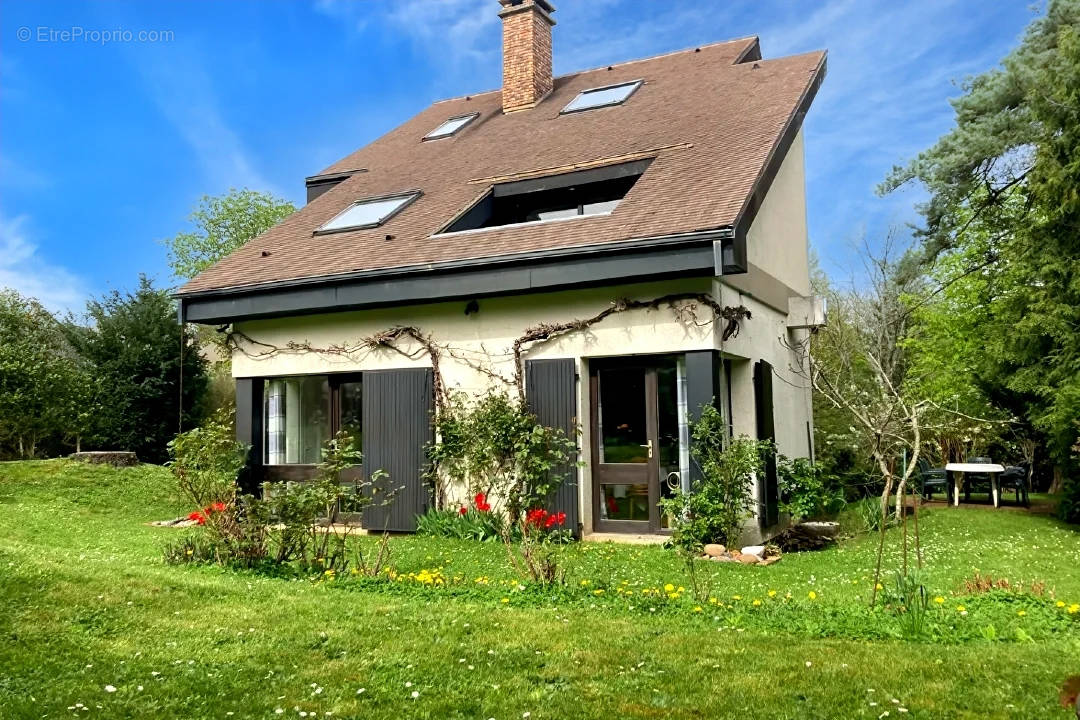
(714, 510)
(470, 525)
(804, 491)
(206, 462)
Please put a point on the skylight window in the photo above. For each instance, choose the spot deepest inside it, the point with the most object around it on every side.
(368, 213)
(451, 126)
(602, 97)
(554, 197)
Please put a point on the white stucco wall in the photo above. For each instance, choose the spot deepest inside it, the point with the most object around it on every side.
(777, 241)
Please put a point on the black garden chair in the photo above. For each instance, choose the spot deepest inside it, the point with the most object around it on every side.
(1015, 478)
(931, 480)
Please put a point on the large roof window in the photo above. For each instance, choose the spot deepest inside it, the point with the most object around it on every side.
(451, 126)
(602, 97)
(368, 213)
(554, 197)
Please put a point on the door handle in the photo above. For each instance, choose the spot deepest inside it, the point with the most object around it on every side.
(648, 445)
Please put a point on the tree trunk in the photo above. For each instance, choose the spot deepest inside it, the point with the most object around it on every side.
(1059, 481)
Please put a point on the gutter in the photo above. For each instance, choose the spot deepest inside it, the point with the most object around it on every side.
(577, 251)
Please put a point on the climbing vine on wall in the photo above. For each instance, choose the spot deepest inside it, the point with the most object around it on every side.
(399, 338)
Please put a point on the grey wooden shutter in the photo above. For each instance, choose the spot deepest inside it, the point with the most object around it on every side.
(702, 388)
(768, 491)
(551, 392)
(398, 428)
(249, 432)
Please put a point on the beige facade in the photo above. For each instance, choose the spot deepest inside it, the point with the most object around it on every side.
(476, 347)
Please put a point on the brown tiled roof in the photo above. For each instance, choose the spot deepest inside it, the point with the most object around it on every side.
(710, 121)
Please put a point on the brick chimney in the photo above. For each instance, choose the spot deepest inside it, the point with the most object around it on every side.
(526, 52)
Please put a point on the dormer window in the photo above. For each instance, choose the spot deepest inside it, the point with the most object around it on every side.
(602, 97)
(553, 197)
(451, 126)
(368, 213)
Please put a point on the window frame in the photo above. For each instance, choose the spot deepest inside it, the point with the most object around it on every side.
(635, 86)
(525, 186)
(408, 197)
(468, 117)
(334, 382)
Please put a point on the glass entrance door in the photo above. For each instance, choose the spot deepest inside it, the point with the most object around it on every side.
(639, 440)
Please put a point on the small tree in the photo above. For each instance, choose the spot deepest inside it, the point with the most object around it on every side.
(716, 508)
(43, 381)
(221, 225)
(134, 348)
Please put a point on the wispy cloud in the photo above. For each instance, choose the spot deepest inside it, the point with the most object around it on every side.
(183, 91)
(22, 269)
(461, 36)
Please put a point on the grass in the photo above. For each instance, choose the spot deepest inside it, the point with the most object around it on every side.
(87, 604)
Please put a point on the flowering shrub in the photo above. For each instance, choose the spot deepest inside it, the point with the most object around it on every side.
(496, 447)
(549, 524)
(200, 516)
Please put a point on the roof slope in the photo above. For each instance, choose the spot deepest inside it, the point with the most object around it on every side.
(711, 123)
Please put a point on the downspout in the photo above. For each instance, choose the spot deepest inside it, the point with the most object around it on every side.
(180, 399)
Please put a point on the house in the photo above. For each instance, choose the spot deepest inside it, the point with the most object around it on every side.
(619, 246)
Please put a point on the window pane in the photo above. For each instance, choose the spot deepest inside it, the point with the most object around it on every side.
(367, 213)
(622, 416)
(600, 97)
(450, 127)
(352, 413)
(555, 214)
(671, 425)
(598, 208)
(625, 502)
(297, 420)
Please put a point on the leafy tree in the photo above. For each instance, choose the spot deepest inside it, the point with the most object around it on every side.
(222, 225)
(42, 380)
(134, 345)
(1004, 202)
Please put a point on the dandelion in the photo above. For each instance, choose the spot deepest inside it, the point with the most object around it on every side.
(772, 593)
(1060, 603)
(879, 586)
(756, 602)
(697, 608)
(598, 591)
(812, 595)
(415, 694)
(736, 597)
(1021, 613)
(939, 600)
(961, 608)
(1073, 609)
(506, 600)
(669, 588)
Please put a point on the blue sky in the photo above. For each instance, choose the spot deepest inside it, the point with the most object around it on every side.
(105, 148)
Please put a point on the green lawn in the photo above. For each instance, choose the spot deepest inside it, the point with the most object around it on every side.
(86, 604)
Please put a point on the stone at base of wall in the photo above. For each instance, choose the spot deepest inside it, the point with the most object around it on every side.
(116, 458)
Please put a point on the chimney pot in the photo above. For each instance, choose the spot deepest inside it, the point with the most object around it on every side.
(527, 74)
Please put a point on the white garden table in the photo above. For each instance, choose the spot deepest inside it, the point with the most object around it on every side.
(992, 469)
